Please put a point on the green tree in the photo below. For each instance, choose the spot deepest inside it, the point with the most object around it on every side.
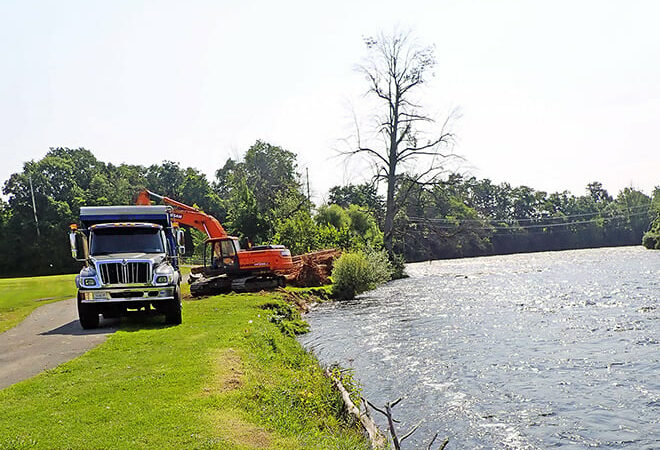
(651, 238)
(299, 233)
(598, 194)
(364, 195)
(243, 214)
(125, 181)
(333, 215)
(196, 190)
(165, 179)
(268, 173)
(60, 182)
(631, 215)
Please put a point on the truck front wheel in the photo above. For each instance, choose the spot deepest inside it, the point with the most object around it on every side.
(88, 315)
(173, 312)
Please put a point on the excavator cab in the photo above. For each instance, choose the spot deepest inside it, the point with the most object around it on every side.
(224, 254)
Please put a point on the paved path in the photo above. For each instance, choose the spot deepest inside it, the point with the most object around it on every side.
(48, 337)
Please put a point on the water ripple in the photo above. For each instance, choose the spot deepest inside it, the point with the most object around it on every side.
(555, 349)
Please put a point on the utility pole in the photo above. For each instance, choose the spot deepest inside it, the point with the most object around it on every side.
(308, 197)
(34, 208)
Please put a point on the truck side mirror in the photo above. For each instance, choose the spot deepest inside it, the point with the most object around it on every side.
(74, 245)
(73, 242)
(180, 240)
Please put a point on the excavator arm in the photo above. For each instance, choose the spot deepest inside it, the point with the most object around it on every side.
(186, 215)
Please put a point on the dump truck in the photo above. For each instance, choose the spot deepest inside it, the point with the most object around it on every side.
(131, 262)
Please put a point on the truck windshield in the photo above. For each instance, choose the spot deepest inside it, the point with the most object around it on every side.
(126, 240)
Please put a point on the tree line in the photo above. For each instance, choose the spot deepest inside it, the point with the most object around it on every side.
(261, 199)
(464, 216)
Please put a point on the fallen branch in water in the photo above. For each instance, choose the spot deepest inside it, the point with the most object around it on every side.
(396, 441)
(375, 436)
(442, 446)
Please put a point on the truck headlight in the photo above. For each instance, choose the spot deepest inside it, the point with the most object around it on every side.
(163, 274)
(89, 282)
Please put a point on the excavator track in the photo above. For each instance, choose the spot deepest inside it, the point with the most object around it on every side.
(222, 284)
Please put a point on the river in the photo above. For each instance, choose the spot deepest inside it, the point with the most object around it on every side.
(541, 350)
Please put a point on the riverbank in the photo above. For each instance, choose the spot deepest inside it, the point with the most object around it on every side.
(231, 376)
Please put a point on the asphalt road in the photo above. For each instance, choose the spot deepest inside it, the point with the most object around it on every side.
(48, 337)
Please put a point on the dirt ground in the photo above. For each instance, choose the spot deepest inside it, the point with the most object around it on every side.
(48, 337)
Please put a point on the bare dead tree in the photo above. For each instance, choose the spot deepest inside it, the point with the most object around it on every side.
(396, 68)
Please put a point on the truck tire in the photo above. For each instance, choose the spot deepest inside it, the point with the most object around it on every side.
(88, 315)
(173, 311)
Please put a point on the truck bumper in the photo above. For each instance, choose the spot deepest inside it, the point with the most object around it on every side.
(132, 294)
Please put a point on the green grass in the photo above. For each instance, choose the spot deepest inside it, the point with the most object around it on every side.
(226, 378)
(20, 296)
(324, 291)
(185, 287)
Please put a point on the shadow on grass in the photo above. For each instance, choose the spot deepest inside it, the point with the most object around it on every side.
(131, 321)
(143, 320)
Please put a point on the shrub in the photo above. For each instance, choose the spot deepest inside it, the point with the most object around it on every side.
(651, 240)
(355, 273)
(398, 263)
(298, 233)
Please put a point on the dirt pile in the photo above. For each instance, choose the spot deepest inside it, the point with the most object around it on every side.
(312, 269)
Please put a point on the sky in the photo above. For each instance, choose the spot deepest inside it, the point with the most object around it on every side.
(552, 95)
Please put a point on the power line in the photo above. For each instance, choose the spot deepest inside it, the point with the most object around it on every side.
(34, 208)
(523, 219)
(525, 227)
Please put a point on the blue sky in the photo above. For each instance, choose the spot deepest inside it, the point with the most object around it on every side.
(552, 95)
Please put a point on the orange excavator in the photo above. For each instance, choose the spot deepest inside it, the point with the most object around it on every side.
(228, 266)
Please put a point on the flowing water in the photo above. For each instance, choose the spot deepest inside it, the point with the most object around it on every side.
(543, 350)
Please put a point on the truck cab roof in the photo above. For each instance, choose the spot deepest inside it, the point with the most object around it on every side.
(94, 215)
(101, 226)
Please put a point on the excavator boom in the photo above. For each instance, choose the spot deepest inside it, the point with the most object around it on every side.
(187, 215)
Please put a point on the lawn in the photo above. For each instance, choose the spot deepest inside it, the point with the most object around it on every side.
(20, 296)
(228, 377)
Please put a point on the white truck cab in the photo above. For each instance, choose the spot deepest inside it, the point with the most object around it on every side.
(131, 257)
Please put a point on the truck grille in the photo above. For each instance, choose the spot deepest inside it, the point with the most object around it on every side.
(128, 273)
